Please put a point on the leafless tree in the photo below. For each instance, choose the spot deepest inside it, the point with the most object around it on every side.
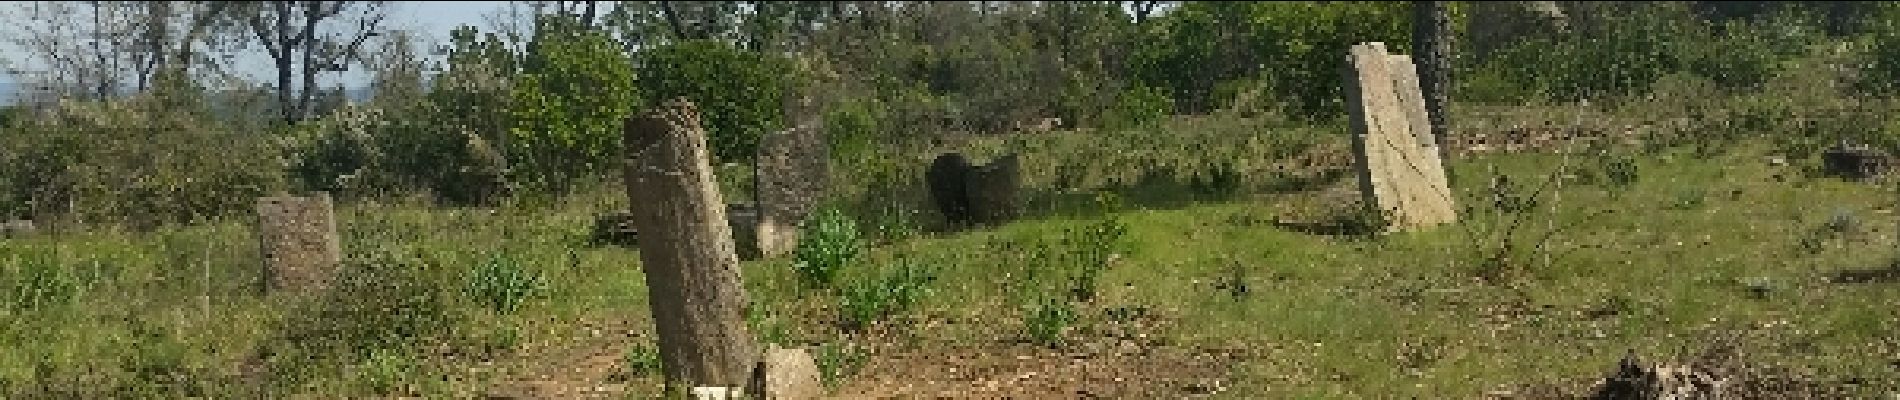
(97, 49)
(308, 38)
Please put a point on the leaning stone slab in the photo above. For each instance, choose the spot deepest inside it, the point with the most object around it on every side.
(299, 242)
(686, 250)
(1398, 166)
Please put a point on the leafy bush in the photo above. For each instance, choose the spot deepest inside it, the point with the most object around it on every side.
(574, 90)
(837, 361)
(1047, 320)
(37, 280)
(642, 360)
(501, 283)
(1622, 56)
(1092, 247)
(740, 94)
(135, 163)
(1881, 71)
(1136, 106)
(380, 302)
(853, 128)
(448, 142)
(1293, 48)
(830, 241)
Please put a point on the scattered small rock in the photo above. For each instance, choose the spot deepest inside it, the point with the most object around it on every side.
(1636, 380)
(615, 228)
(787, 374)
(18, 228)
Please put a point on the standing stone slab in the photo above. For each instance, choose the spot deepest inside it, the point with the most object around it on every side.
(792, 171)
(686, 250)
(743, 219)
(1398, 164)
(298, 241)
(947, 177)
(994, 190)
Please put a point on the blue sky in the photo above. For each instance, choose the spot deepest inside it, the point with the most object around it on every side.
(433, 18)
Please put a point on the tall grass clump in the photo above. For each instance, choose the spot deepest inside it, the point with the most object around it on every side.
(829, 243)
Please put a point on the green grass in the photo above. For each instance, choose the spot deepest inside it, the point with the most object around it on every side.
(1659, 266)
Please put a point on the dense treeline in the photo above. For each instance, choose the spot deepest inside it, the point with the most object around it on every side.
(532, 109)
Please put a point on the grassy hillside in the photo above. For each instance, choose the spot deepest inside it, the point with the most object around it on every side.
(1208, 269)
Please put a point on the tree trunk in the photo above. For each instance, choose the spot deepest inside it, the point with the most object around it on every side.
(310, 68)
(281, 54)
(1431, 34)
(686, 251)
(673, 19)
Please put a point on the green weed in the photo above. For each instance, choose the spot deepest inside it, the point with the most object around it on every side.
(502, 284)
(872, 299)
(642, 360)
(1047, 321)
(829, 243)
(837, 361)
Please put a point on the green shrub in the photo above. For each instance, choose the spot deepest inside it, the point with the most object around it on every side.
(1293, 48)
(382, 302)
(384, 371)
(642, 360)
(575, 88)
(38, 280)
(502, 284)
(740, 94)
(830, 241)
(1048, 320)
(853, 128)
(447, 142)
(1090, 249)
(1613, 170)
(872, 299)
(837, 361)
(1137, 106)
(134, 163)
(1881, 71)
(1623, 56)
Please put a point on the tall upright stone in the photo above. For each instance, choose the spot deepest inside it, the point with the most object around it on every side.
(994, 190)
(686, 250)
(298, 239)
(792, 171)
(1398, 162)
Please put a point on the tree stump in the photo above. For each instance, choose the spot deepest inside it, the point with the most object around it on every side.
(686, 250)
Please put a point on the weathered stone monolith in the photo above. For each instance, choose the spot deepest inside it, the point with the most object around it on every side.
(1398, 163)
(948, 180)
(299, 243)
(686, 250)
(994, 190)
(792, 171)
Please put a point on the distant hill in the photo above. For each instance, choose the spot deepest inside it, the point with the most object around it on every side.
(10, 93)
